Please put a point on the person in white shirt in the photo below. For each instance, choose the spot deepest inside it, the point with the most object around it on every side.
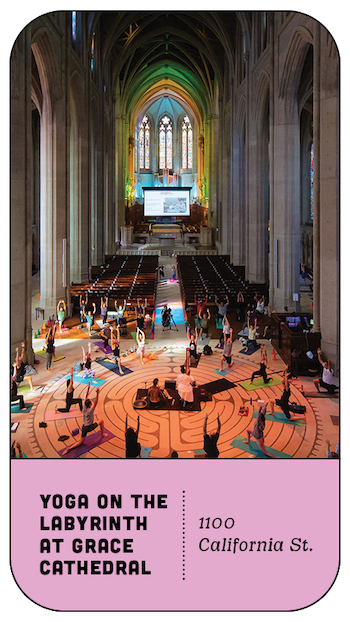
(326, 382)
(184, 386)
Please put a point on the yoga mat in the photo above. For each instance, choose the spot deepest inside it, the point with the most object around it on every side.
(216, 386)
(145, 452)
(50, 415)
(199, 453)
(93, 439)
(221, 372)
(99, 344)
(196, 405)
(319, 394)
(254, 449)
(193, 362)
(113, 366)
(220, 346)
(134, 338)
(258, 383)
(205, 341)
(26, 389)
(16, 409)
(281, 418)
(249, 351)
(94, 383)
(42, 353)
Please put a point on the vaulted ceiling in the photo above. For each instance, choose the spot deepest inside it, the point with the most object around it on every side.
(176, 53)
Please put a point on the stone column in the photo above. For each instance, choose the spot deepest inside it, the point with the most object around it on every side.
(329, 196)
(21, 195)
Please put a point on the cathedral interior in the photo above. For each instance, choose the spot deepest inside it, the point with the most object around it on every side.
(175, 158)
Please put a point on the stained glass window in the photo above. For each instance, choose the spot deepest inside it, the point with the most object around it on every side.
(92, 51)
(74, 26)
(135, 152)
(312, 181)
(144, 143)
(165, 143)
(187, 139)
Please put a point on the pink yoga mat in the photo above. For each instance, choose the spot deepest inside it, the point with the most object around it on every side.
(50, 415)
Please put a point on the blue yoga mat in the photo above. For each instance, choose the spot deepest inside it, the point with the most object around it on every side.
(249, 351)
(113, 366)
(280, 417)
(93, 383)
(221, 373)
(91, 440)
(16, 409)
(254, 449)
(145, 452)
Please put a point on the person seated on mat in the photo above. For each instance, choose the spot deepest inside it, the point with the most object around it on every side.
(70, 400)
(184, 386)
(326, 382)
(258, 432)
(203, 325)
(260, 306)
(211, 440)
(120, 310)
(193, 339)
(88, 421)
(251, 341)
(222, 307)
(115, 345)
(283, 402)
(263, 365)
(20, 369)
(14, 395)
(132, 446)
(227, 353)
(156, 397)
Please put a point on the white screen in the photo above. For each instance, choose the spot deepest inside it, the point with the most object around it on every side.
(166, 202)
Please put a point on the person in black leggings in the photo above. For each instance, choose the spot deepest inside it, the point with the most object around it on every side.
(70, 400)
(283, 402)
(14, 395)
(262, 370)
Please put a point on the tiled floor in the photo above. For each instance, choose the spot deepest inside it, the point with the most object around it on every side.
(169, 430)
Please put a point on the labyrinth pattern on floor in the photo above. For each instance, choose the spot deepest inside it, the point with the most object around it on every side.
(168, 430)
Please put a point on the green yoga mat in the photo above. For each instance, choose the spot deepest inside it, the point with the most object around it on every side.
(135, 339)
(253, 448)
(42, 353)
(281, 418)
(258, 383)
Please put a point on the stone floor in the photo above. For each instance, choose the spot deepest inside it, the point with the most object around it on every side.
(168, 430)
